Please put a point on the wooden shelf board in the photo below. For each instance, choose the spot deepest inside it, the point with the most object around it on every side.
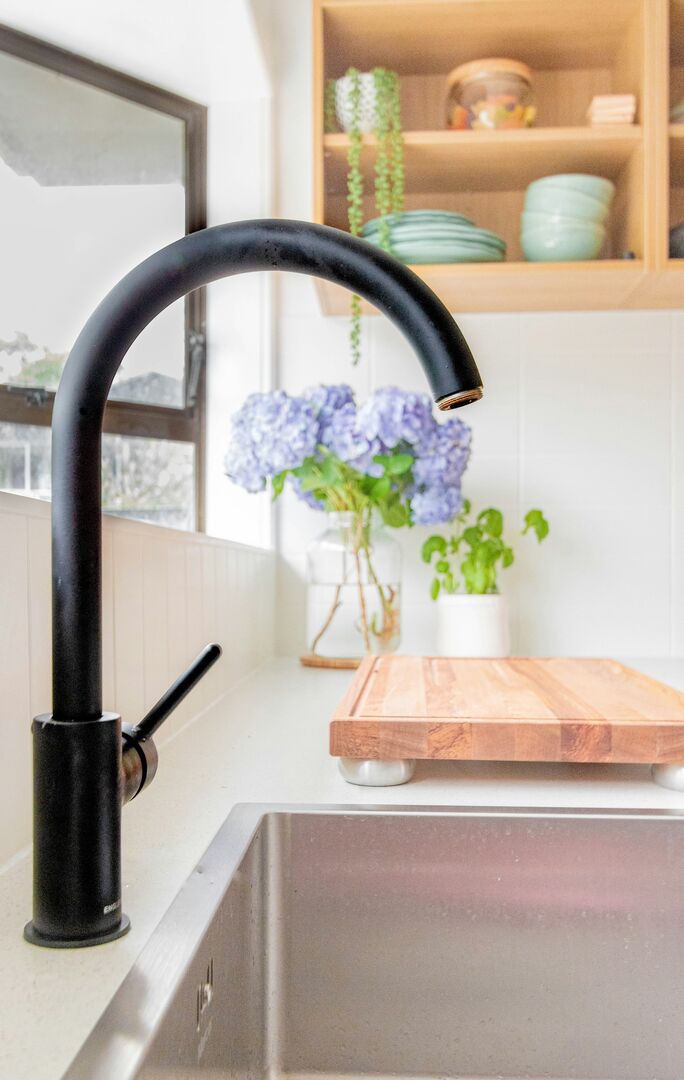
(492, 160)
(516, 286)
(435, 35)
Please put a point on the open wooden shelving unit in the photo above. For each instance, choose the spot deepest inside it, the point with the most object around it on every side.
(576, 48)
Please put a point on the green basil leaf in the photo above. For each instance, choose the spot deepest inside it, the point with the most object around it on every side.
(432, 545)
(491, 522)
(473, 535)
(535, 520)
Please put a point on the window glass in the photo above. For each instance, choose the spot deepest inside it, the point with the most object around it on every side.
(90, 184)
(148, 479)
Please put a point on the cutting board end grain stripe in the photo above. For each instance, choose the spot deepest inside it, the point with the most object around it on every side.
(555, 709)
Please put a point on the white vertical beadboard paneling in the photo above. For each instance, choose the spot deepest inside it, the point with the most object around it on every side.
(108, 645)
(266, 592)
(193, 563)
(241, 641)
(15, 792)
(179, 655)
(225, 599)
(211, 682)
(40, 614)
(165, 595)
(129, 634)
(157, 673)
(195, 627)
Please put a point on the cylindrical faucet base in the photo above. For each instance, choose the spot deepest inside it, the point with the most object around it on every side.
(76, 832)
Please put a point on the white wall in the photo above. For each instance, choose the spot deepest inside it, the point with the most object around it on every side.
(166, 594)
(209, 51)
(583, 416)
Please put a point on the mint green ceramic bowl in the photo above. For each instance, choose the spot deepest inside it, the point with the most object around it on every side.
(567, 243)
(596, 186)
(537, 219)
(565, 203)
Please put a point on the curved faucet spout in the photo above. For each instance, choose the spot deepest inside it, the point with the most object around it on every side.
(80, 774)
(189, 263)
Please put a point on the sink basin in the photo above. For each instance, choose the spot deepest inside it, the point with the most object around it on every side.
(340, 942)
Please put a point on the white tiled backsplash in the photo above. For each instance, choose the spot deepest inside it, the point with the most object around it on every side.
(583, 416)
(166, 594)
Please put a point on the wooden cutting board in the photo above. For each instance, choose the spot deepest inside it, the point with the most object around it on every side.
(516, 709)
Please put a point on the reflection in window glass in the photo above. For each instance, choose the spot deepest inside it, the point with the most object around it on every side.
(90, 184)
(148, 479)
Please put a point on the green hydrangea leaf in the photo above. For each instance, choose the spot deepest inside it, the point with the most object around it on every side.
(381, 488)
(278, 483)
(399, 464)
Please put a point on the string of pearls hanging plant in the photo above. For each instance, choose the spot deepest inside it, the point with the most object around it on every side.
(369, 103)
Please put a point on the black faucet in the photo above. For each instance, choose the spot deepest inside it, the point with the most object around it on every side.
(86, 764)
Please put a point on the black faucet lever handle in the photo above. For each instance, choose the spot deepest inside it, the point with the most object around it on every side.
(139, 754)
(177, 691)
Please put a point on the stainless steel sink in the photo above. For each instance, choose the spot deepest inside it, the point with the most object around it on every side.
(339, 942)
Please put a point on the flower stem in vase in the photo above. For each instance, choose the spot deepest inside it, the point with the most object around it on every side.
(359, 544)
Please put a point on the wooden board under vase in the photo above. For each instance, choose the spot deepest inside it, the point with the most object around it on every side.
(517, 709)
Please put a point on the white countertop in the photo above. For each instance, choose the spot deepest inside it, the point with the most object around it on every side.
(266, 742)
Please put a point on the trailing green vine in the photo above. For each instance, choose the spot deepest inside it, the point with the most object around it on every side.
(389, 162)
(354, 173)
(389, 166)
(329, 107)
(355, 200)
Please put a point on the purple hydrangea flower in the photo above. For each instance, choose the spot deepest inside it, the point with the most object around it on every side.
(327, 399)
(396, 416)
(345, 439)
(274, 432)
(442, 453)
(440, 435)
(270, 433)
(436, 505)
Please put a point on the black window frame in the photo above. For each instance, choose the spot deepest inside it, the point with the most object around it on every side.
(22, 405)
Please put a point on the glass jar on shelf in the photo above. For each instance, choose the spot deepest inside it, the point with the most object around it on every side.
(493, 93)
(353, 589)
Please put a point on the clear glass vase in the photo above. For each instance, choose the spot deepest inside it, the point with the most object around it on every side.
(354, 589)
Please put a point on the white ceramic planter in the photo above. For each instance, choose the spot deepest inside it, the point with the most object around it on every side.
(343, 103)
(473, 626)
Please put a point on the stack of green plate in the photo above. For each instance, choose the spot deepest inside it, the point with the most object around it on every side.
(437, 236)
